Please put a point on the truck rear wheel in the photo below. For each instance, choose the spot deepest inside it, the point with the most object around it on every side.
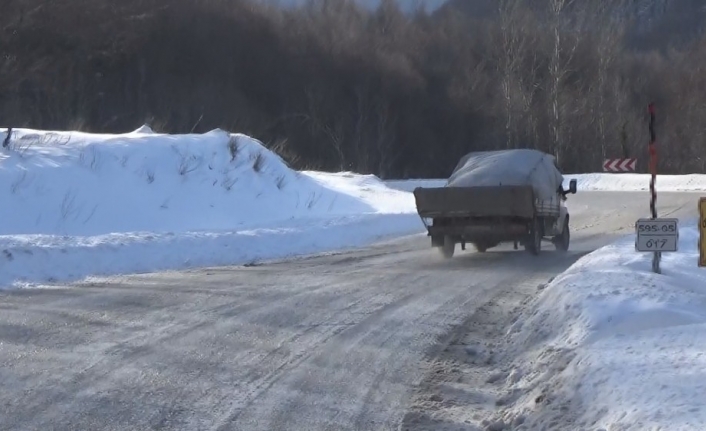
(534, 239)
(448, 248)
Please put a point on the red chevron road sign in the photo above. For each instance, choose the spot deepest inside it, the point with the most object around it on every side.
(619, 165)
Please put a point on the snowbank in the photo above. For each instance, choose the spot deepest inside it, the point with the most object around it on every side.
(594, 182)
(609, 345)
(77, 204)
(410, 185)
(638, 182)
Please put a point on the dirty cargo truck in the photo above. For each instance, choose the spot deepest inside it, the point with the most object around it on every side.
(498, 196)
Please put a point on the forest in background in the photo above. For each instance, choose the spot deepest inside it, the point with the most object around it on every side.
(332, 86)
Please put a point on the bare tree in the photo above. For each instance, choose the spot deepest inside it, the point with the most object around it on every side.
(360, 137)
(510, 45)
(333, 130)
(609, 31)
(519, 66)
(337, 86)
(385, 138)
(561, 55)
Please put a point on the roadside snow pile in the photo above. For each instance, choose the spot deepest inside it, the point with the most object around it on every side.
(593, 182)
(637, 182)
(612, 346)
(77, 204)
(410, 185)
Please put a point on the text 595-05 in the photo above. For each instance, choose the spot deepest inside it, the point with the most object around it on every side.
(657, 228)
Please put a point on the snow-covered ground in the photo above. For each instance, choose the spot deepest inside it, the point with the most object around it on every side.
(410, 185)
(77, 204)
(639, 182)
(609, 345)
(594, 182)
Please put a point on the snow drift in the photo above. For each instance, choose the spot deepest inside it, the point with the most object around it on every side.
(611, 345)
(639, 182)
(77, 204)
(594, 182)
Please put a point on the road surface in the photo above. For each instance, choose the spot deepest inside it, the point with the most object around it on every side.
(338, 342)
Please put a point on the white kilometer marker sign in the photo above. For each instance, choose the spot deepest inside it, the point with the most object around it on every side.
(657, 235)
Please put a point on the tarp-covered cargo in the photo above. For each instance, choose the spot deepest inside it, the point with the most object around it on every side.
(521, 167)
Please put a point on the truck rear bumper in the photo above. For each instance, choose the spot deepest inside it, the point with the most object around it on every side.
(481, 232)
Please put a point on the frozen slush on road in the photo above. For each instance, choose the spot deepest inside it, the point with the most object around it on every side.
(78, 204)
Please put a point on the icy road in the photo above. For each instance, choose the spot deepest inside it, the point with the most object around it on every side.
(337, 342)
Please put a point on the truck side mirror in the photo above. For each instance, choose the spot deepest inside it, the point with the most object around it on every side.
(572, 187)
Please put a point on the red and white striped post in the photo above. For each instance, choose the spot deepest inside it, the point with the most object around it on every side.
(652, 149)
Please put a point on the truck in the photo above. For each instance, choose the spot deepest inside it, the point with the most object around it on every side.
(494, 197)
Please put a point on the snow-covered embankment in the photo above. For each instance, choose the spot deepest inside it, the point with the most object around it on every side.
(594, 182)
(77, 204)
(609, 345)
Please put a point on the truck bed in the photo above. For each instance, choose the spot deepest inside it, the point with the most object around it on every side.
(475, 202)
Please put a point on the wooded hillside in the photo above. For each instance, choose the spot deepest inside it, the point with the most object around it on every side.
(332, 86)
